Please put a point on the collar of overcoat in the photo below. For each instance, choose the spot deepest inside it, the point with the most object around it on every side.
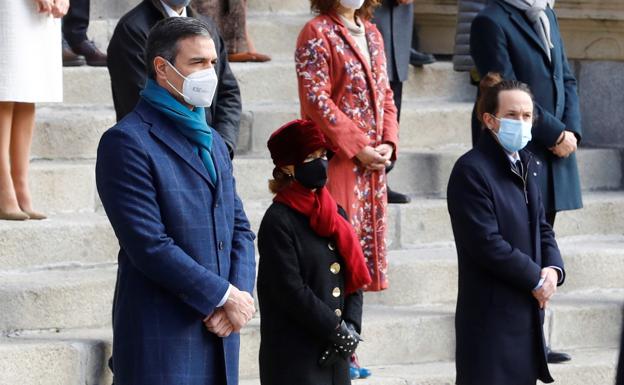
(172, 138)
(520, 20)
(495, 153)
(370, 77)
(158, 5)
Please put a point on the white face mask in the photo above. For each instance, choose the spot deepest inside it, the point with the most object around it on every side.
(199, 87)
(353, 4)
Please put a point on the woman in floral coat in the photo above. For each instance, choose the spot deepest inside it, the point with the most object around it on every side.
(344, 89)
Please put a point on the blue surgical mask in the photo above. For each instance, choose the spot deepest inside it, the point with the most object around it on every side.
(513, 134)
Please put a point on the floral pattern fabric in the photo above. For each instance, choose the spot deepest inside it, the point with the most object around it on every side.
(351, 101)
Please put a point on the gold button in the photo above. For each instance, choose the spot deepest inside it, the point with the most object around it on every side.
(331, 246)
(335, 268)
(338, 312)
(336, 292)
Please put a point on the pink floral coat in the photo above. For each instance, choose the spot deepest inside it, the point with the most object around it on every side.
(352, 104)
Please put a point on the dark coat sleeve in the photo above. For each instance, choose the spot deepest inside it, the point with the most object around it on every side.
(126, 66)
(475, 226)
(297, 300)
(129, 197)
(572, 114)
(225, 114)
(243, 254)
(488, 47)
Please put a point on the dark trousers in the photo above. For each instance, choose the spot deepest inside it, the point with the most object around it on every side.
(76, 22)
(550, 218)
(397, 89)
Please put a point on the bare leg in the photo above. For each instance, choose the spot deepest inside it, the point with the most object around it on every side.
(8, 200)
(21, 139)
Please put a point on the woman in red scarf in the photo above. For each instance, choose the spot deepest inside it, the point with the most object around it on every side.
(311, 268)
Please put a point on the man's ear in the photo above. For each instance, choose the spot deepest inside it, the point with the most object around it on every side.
(160, 67)
(489, 122)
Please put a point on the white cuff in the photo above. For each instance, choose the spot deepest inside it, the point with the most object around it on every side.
(225, 297)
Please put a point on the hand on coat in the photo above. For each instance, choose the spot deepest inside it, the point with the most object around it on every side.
(372, 159)
(567, 146)
(549, 287)
(219, 324)
(239, 308)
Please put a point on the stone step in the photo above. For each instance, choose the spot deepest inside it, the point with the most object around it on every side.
(279, 6)
(427, 220)
(428, 274)
(63, 186)
(427, 332)
(426, 172)
(60, 240)
(79, 357)
(53, 362)
(424, 124)
(276, 81)
(67, 297)
(69, 132)
(595, 367)
(66, 185)
(73, 131)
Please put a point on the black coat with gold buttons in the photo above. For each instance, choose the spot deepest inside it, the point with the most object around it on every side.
(301, 295)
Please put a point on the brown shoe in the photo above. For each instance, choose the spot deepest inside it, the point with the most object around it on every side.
(14, 216)
(94, 56)
(70, 58)
(35, 215)
(242, 57)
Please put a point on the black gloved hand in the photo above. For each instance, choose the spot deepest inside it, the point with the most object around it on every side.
(344, 340)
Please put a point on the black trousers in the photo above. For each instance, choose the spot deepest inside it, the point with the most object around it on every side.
(550, 218)
(397, 89)
(76, 22)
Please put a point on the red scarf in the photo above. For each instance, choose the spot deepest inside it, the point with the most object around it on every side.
(325, 220)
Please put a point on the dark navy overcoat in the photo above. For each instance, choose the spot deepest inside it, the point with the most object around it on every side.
(182, 240)
(503, 241)
(502, 40)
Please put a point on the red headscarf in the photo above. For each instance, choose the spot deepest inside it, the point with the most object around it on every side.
(291, 145)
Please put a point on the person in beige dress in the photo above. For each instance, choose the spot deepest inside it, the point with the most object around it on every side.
(231, 18)
(30, 34)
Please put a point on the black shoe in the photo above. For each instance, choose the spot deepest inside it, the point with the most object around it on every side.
(71, 58)
(557, 357)
(94, 56)
(419, 59)
(396, 197)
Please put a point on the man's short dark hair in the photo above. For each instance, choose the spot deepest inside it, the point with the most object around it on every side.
(164, 37)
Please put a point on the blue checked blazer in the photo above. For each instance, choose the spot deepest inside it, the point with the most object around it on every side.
(182, 240)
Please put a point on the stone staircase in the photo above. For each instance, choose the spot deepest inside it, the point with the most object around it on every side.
(57, 276)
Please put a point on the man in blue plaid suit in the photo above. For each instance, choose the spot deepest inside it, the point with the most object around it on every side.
(186, 263)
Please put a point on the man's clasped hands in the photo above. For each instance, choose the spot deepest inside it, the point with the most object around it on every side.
(237, 311)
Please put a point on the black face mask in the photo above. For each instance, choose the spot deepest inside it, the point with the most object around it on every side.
(312, 174)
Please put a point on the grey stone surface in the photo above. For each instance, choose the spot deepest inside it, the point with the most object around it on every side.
(62, 239)
(70, 132)
(601, 97)
(63, 186)
(57, 298)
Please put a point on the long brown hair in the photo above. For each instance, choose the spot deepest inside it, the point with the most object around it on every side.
(324, 7)
(490, 87)
(280, 180)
